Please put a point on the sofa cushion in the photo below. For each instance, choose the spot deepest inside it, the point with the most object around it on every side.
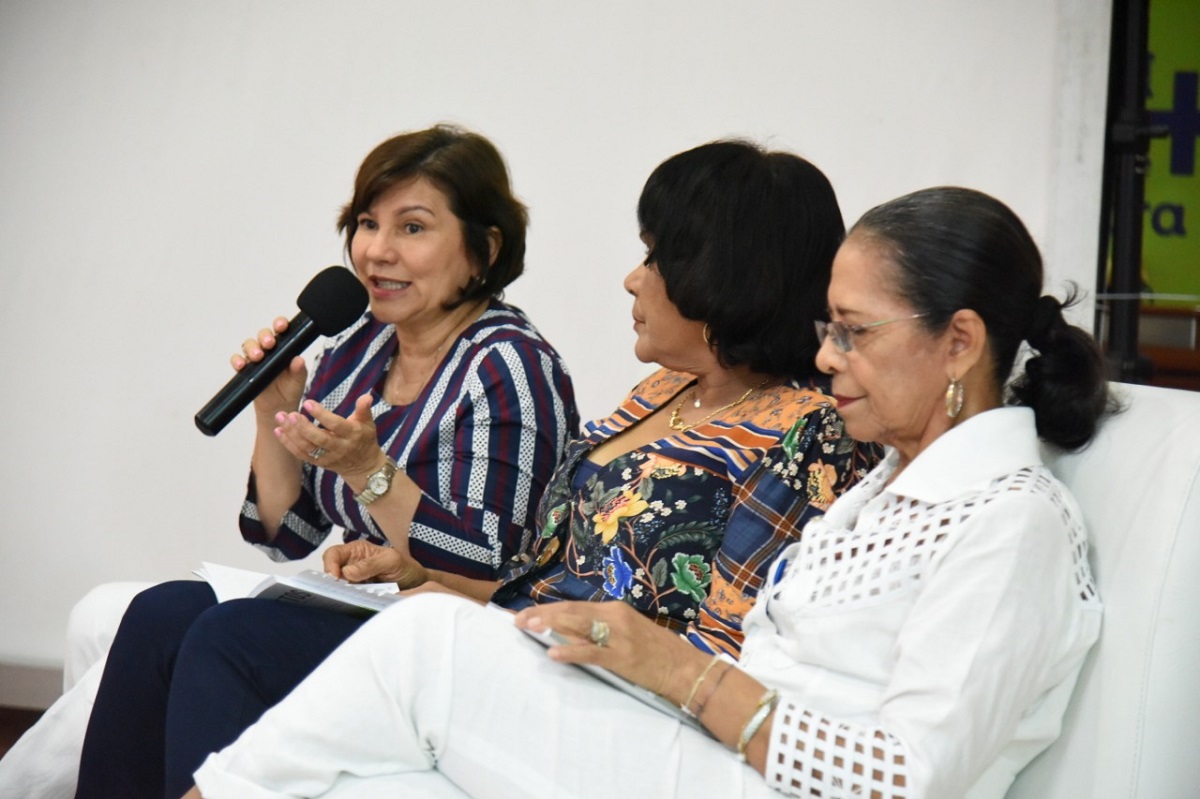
(1134, 721)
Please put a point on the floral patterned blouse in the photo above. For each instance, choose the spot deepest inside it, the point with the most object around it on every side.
(684, 528)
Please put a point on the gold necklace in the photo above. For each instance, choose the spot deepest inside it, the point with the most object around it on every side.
(395, 392)
(675, 423)
(436, 360)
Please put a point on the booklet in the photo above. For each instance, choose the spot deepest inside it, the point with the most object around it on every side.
(549, 638)
(309, 587)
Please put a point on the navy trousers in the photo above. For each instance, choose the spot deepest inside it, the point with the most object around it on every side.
(185, 676)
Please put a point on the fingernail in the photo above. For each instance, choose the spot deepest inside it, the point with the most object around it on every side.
(281, 417)
(309, 405)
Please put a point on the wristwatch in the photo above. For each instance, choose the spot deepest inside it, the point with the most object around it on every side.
(378, 483)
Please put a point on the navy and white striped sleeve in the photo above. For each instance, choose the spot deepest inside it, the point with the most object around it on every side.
(498, 450)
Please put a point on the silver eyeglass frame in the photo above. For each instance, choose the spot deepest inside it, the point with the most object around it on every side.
(842, 333)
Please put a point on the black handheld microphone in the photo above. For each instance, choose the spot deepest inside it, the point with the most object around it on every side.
(329, 304)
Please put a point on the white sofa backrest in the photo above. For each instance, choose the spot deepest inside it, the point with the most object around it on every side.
(1133, 726)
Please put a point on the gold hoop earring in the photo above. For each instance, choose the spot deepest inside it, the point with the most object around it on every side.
(707, 334)
(954, 398)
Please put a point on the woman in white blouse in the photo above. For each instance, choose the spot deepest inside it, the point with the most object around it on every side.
(922, 640)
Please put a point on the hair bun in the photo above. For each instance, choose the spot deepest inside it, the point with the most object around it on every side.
(1046, 312)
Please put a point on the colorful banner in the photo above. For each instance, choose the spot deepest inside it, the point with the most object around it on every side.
(1171, 233)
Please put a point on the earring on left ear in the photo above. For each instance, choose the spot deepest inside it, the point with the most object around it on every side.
(473, 284)
(707, 332)
(954, 398)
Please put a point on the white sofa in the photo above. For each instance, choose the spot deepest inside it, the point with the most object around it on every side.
(1133, 727)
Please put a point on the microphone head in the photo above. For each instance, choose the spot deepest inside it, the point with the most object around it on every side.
(333, 300)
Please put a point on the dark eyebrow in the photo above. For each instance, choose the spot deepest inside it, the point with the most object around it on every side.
(416, 207)
(843, 312)
(403, 210)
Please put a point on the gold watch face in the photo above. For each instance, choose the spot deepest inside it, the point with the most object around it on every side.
(378, 483)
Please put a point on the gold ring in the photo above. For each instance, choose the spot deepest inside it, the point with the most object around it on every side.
(599, 633)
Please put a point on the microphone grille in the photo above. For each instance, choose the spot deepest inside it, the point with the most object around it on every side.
(334, 300)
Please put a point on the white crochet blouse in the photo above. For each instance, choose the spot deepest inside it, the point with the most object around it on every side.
(926, 635)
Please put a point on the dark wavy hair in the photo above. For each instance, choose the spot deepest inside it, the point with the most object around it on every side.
(469, 170)
(744, 239)
(959, 248)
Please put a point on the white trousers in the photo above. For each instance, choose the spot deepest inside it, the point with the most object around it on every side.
(44, 762)
(438, 696)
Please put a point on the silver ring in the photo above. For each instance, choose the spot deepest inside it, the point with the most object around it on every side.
(316, 453)
(599, 633)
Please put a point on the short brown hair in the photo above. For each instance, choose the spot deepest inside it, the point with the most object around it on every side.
(469, 170)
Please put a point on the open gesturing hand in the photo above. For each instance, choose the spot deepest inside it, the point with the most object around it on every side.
(348, 446)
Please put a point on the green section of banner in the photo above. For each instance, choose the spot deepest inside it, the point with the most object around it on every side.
(1171, 233)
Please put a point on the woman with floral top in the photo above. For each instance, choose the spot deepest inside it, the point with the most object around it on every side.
(921, 640)
(682, 528)
(665, 504)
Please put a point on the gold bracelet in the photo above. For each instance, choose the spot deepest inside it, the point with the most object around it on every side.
(700, 710)
(696, 686)
(765, 705)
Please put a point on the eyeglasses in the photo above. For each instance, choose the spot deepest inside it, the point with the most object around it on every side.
(843, 334)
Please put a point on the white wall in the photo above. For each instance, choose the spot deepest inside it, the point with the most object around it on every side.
(170, 173)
